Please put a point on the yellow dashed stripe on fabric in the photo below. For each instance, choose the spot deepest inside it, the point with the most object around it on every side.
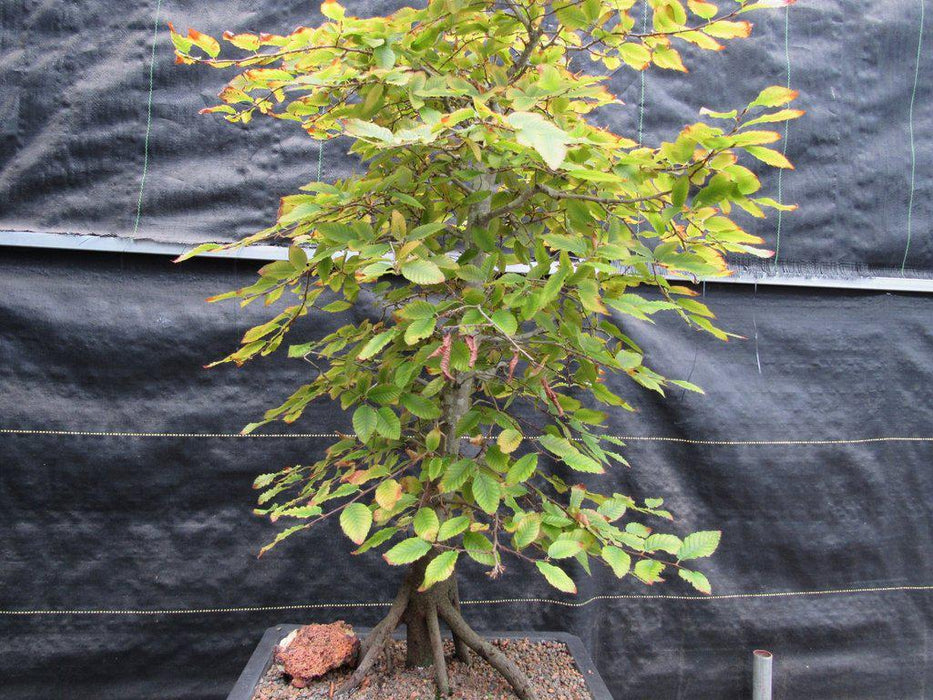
(627, 438)
(491, 601)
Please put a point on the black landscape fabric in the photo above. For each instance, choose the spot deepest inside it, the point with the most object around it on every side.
(86, 147)
(118, 522)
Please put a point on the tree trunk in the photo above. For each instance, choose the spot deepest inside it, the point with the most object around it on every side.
(421, 612)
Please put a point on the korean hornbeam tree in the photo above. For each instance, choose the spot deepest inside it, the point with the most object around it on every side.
(510, 244)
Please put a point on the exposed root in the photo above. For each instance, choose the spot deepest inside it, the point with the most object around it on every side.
(375, 642)
(462, 648)
(499, 661)
(421, 613)
(437, 649)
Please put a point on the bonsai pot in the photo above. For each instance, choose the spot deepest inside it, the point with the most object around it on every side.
(261, 659)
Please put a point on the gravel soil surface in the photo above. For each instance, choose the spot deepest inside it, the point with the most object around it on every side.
(549, 665)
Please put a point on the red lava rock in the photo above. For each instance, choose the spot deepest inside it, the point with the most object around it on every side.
(311, 651)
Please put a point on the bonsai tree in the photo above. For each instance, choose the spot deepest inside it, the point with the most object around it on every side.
(510, 244)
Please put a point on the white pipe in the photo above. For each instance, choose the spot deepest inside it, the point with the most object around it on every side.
(113, 244)
(761, 674)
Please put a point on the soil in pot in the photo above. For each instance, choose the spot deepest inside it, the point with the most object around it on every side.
(548, 664)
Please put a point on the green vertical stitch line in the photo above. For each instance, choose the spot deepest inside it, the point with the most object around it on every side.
(913, 149)
(641, 79)
(142, 182)
(320, 159)
(780, 174)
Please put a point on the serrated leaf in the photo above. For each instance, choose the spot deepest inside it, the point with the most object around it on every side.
(379, 537)
(699, 544)
(529, 527)
(452, 528)
(355, 521)
(664, 543)
(479, 549)
(419, 329)
(522, 469)
(422, 272)
(562, 549)
(388, 493)
(282, 535)
(770, 156)
(376, 343)
(426, 524)
(509, 440)
(364, 422)
(696, 579)
(407, 551)
(534, 131)
(557, 577)
(619, 560)
(388, 424)
(649, 571)
(456, 475)
(774, 96)
(420, 406)
(570, 455)
(439, 569)
(505, 321)
(486, 491)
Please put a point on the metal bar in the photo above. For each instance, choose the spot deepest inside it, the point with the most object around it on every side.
(761, 674)
(113, 244)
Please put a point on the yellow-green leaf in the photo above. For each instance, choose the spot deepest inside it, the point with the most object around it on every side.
(407, 551)
(557, 577)
(355, 521)
(439, 569)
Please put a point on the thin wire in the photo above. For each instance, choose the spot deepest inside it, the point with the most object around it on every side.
(780, 175)
(913, 149)
(624, 438)
(142, 182)
(490, 601)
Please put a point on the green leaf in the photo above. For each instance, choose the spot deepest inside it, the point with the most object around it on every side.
(387, 424)
(388, 494)
(407, 551)
(536, 132)
(420, 406)
(368, 131)
(522, 469)
(509, 440)
(419, 329)
(774, 96)
(699, 544)
(365, 419)
(619, 560)
(696, 579)
(452, 528)
(439, 569)
(528, 529)
(570, 455)
(282, 535)
(770, 156)
(486, 491)
(649, 571)
(505, 322)
(556, 577)
(355, 521)
(457, 474)
(376, 343)
(426, 524)
(664, 543)
(562, 549)
(379, 537)
(422, 272)
(479, 549)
